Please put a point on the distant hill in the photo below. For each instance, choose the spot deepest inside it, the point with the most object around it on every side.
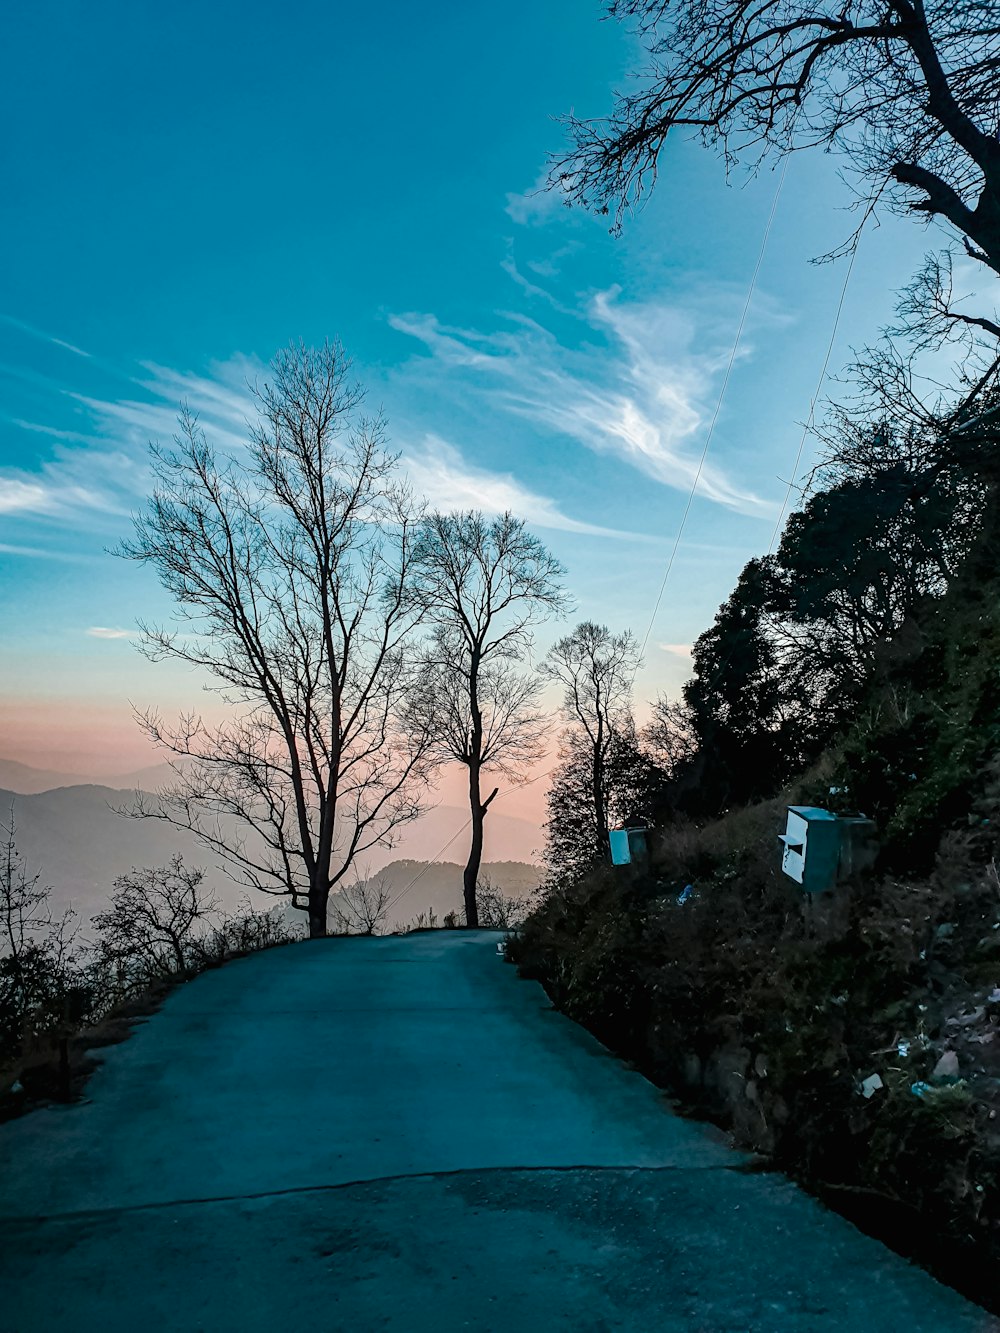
(73, 837)
(417, 886)
(28, 781)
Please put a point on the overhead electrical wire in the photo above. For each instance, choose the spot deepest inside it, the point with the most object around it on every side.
(807, 426)
(718, 406)
(687, 508)
(697, 478)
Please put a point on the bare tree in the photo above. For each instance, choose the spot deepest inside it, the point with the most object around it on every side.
(360, 908)
(596, 669)
(499, 910)
(150, 927)
(908, 89)
(24, 910)
(483, 584)
(668, 736)
(36, 949)
(290, 565)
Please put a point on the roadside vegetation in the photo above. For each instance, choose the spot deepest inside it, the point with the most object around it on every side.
(66, 988)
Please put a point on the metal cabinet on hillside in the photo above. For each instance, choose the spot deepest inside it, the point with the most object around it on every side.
(628, 846)
(821, 848)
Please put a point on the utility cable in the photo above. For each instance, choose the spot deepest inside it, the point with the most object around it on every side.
(807, 427)
(690, 499)
(718, 406)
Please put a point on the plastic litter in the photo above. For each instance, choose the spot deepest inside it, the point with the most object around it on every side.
(17, 1086)
(903, 1049)
(685, 894)
(502, 949)
(920, 1088)
(872, 1084)
(966, 1020)
(946, 1067)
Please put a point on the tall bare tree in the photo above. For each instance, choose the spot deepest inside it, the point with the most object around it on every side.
(483, 585)
(290, 566)
(596, 669)
(908, 89)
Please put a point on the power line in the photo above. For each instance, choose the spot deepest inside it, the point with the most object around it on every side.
(718, 406)
(815, 398)
(690, 499)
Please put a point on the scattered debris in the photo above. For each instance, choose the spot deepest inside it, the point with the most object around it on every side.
(872, 1084)
(685, 894)
(967, 1020)
(903, 1049)
(946, 1069)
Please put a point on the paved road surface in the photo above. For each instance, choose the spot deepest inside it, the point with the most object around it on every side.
(399, 1134)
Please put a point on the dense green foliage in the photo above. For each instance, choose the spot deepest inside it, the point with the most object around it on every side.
(886, 550)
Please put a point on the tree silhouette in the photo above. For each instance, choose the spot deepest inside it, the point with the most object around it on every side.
(483, 584)
(596, 669)
(290, 565)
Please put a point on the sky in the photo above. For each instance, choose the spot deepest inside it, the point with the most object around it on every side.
(187, 188)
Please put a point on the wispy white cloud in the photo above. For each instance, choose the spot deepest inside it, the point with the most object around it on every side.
(532, 289)
(42, 336)
(459, 347)
(538, 204)
(643, 393)
(448, 482)
(110, 472)
(222, 401)
(104, 632)
(676, 649)
(53, 432)
(40, 553)
(17, 496)
(101, 480)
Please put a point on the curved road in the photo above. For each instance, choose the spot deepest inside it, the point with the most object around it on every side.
(399, 1134)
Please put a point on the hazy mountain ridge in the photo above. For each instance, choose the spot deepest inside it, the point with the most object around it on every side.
(73, 837)
(419, 886)
(28, 781)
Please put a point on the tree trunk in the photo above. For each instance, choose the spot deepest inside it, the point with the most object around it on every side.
(318, 899)
(471, 876)
(600, 806)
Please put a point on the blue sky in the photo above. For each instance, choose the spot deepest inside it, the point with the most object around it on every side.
(187, 188)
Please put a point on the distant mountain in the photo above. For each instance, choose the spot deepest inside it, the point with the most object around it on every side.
(28, 781)
(441, 832)
(420, 887)
(73, 837)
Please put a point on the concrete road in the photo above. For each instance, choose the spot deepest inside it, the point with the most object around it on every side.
(400, 1134)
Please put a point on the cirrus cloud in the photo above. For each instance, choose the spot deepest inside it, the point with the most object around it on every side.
(641, 392)
(447, 481)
